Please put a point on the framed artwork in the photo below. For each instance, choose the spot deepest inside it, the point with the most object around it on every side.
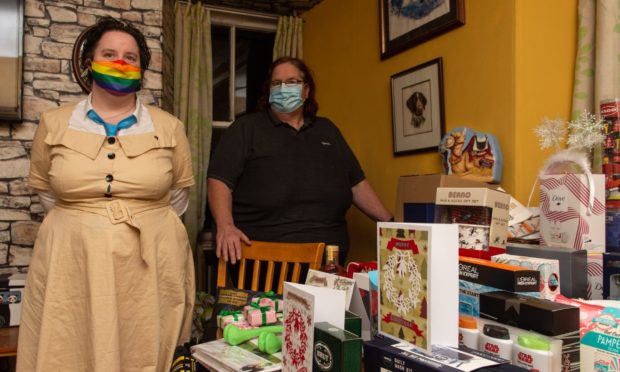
(405, 23)
(417, 108)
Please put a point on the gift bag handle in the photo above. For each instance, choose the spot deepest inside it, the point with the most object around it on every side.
(576, 157)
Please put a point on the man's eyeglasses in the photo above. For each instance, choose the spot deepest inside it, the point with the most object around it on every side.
(287, 83)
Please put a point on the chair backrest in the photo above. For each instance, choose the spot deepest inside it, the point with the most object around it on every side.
(275, 255)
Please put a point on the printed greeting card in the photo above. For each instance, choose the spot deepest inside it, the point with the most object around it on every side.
(305, 305)
(418, 283)
(321, 279)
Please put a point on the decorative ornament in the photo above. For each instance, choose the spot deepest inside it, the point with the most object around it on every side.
(400, 263)
(550, 133)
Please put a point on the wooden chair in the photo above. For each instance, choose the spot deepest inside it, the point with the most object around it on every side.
(274, 254)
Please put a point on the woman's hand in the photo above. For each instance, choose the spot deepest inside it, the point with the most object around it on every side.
(228, 243)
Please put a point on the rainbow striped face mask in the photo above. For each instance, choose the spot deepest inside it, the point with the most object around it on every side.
(116, 76)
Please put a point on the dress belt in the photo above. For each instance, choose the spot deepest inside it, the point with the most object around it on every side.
(118, 212)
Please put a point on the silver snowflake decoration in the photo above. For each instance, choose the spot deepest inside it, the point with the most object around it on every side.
(585, 132)
(550, 133)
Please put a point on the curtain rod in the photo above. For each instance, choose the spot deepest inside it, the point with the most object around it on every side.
(216, 8)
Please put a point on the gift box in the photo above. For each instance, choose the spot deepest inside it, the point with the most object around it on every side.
(336, 349)
(498, 275)
(483, 215)
(11, 296)
(353, 323)
(269, 299)
(574, 280)
(257, 315)
(572, 211)
(548, 318)
(611, 276)
(386, 355)
(229, 316)
(415, 195)
(549, 271)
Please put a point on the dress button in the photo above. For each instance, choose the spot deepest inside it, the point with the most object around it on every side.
(111, 140)
(107, 195)
(111, 155)
(109, 178)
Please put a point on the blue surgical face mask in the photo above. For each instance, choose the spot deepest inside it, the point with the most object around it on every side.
(286, 98)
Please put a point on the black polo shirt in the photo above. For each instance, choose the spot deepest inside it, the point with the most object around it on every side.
(287, 185)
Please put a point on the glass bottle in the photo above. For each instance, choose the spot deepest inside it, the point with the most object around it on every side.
(331, 261)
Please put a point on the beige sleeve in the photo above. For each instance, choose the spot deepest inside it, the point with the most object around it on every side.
(182, 160)
(40, 159)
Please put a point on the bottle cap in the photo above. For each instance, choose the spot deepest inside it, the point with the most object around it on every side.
(534, 342)
(468, 322)
(496, 331)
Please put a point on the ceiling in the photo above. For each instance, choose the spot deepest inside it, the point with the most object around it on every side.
(282, 7)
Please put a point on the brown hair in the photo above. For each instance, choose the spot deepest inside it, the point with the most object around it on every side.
(311, 106)
(105, 24)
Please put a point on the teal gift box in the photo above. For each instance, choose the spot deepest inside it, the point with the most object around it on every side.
(335, 349)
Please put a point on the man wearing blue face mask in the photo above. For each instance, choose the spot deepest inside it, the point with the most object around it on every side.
(284, 174)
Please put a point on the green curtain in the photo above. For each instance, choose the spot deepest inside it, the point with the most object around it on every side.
(597, 64)
(289, 38)
(193, 74)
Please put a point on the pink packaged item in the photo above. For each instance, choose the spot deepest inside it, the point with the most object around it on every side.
(587, 312)
(257, 315)
(269, 299)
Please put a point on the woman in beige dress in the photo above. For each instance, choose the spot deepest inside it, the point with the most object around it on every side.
(111, 281)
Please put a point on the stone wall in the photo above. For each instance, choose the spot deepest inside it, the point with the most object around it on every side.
(50, 28)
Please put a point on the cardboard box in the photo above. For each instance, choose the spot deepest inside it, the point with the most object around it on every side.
(546, 317)
(415, 195)
(498, 275)
(483, 215)
(611, 276)
(600, 346)
(335, 349)
(573, 277)
(353, 323)
(11, 297)
(549, 271)
(385, 355)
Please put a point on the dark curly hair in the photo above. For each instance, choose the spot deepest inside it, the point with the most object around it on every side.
(105, 24)
(311, 106)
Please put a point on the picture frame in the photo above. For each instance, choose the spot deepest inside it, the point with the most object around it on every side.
(405, 24)
(418, 107)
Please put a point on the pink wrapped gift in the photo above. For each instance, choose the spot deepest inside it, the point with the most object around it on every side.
(230, 316)
(257, 315)
(241, 324)
(269, 299)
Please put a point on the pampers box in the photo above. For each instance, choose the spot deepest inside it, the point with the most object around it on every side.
(549, 271)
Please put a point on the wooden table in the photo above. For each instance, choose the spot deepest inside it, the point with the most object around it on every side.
(8, 341)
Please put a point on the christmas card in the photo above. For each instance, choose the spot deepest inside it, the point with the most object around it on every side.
(305, 305)
(418, 283)
(322, 279)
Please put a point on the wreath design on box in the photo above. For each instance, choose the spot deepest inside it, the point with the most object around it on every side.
(400, 263)
(295, 325)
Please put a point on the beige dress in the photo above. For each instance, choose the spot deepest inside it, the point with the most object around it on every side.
(111, 281)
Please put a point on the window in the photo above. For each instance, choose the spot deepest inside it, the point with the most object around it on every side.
(242, 45)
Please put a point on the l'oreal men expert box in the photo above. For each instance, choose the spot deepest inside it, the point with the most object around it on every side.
(549, 271)
(478, 276)
(483, 214)
(574, 280)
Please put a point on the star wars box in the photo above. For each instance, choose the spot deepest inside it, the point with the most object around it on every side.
(335, 349)
(549, 318)
(482, 215)
(11, 296)
(574, 280)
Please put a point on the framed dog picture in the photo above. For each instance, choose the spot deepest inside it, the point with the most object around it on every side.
(405, 23)
(417, 108)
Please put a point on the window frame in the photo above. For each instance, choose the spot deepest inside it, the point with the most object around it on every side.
(243, 20)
